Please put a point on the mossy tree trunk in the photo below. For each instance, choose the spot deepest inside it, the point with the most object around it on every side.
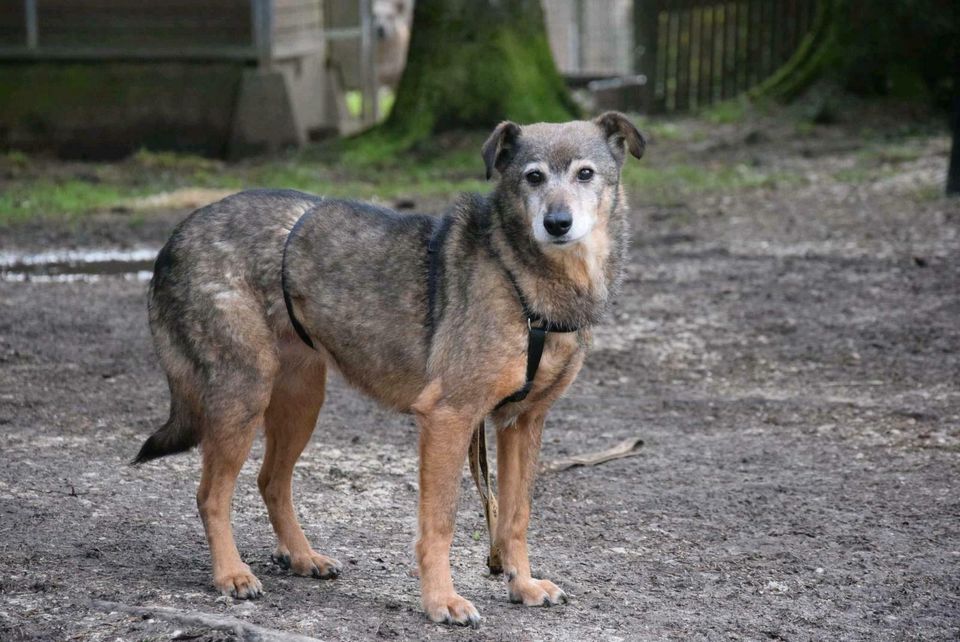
(815, 53)
(473, 63)
(953, 170)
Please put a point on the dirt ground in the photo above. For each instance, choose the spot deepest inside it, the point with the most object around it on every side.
(789, 353)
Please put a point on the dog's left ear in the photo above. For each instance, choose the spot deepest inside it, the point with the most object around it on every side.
(621, 132)
(499, 148)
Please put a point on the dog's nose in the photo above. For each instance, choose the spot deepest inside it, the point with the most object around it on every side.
(558, 223)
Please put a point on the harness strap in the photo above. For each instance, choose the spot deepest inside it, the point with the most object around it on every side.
(536, 338)
(287, 299)
(435, 268)
(537, 329)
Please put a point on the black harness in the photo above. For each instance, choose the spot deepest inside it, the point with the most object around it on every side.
(287, 301)
(537, 326)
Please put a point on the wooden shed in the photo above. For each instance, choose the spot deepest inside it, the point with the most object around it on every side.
(104, 77)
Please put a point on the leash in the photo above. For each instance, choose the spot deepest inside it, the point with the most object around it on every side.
(481, 477)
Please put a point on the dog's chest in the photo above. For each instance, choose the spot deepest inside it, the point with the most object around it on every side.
(562, 357)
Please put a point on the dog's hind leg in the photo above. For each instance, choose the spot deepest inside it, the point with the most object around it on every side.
(518, 446)
(240, 353)
(298, 394)
(225, 447)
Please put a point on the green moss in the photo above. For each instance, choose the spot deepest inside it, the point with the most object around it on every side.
(472, 63)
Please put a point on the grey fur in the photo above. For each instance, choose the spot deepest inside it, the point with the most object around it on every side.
(358, 275)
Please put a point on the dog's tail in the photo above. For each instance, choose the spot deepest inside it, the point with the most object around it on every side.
(179, 434)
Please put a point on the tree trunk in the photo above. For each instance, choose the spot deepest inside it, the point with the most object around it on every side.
(473, 63)
(953, 171)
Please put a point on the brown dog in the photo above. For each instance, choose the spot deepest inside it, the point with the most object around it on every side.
(255, 296)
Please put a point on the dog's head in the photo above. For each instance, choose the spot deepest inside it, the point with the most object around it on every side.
(389, 17)
(565, 176)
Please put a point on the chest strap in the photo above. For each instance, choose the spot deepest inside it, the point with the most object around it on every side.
(536, 339)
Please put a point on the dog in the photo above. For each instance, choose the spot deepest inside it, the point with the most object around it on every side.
(391, 21)
(255, 297)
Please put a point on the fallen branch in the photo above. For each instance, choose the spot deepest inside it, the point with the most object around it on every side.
(243, 630)
(629, 448)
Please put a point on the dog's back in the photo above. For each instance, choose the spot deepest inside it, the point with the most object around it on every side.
(217, 310)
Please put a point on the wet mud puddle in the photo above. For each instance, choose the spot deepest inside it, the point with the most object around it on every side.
(64, 266)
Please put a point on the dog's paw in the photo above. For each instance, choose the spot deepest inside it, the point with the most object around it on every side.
(311, 565)
(240, 584)
(452, 609)
(531, 592)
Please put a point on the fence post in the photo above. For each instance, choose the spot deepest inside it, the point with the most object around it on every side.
(645, 23)
(30, 18)
(580, 30)
(368, 65)
(262, 16)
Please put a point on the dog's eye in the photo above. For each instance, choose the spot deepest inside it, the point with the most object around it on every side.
(535, 177)
(585, 174)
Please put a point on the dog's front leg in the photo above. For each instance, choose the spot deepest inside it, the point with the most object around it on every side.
(444, 440)
(518, 446)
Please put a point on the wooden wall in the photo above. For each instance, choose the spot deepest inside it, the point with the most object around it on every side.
(215, 29)
(297, 26)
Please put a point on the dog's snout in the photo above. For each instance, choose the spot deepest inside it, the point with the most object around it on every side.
(558, 222)
(381, 32)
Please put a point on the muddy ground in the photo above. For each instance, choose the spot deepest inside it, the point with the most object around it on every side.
(789, 353)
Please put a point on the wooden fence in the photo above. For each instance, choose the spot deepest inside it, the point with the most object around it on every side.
(697, 52)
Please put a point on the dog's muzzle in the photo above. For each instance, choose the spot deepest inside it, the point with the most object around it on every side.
(558, 223)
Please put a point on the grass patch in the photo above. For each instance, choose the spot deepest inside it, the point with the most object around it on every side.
(661, 130)
(879, 161)
(858, 175)
(727, 112)
(670, 183)
(444, 170)
(929, 193)
(40, 188)
(172, 161)
(67, 199)
(892, 153)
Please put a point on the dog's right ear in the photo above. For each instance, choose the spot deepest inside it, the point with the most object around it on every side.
(498, 150)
